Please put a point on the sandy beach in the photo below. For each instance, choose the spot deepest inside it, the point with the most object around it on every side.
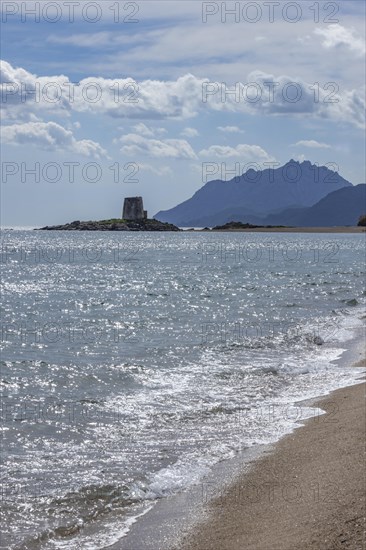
(307, 494)
(338, 229)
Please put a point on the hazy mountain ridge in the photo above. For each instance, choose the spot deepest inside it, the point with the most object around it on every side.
(342, 207)
(255, 195)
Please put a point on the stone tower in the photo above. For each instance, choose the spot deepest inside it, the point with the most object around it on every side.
(133, 209)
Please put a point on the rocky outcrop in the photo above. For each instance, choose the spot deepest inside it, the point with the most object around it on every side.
(114, 225)
(239, 225)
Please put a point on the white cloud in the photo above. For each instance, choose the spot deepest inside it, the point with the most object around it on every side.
(179, 99)
(311, 143)
(336, 36)
(51, 137)
(351, 107)
(189, 132)
(134, 144)
(142, 129)
(230, 129)
(300, 158)
(148, 131)
(266, 94)
(24, 92)
(246, 153)
(283, 95)
(24, 95)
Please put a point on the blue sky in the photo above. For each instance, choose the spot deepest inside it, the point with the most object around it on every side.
(145, 107)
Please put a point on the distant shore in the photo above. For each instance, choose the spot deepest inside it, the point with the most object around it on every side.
(155, 225)
(339, 229)
(308, 493)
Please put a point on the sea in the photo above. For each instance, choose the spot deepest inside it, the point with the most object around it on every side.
(132, 363)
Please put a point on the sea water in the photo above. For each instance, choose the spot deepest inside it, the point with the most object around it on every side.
(132, 363)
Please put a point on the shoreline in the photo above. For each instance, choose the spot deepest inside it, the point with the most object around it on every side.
(335, 229)
(338, 229)
(203, 516)
(307, 493)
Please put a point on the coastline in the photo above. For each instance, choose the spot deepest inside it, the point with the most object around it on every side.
(337, 229)
(308, 493)
(270, 487)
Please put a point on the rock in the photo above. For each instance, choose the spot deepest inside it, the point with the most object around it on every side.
(234, 225)
(362, 221)
(114, 225)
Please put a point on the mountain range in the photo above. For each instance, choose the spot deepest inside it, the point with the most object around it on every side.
(297, 194)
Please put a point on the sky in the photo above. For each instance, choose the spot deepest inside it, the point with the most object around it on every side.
(102, 100)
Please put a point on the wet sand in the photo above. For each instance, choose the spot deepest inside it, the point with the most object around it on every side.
(306, 494)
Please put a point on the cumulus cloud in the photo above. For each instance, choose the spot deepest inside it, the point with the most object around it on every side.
(292, 96)
(230, 129)
(183, 98)
(351, 108)
(311, 143)
(134, 144)
(189, 132)
(24, 95)
(51, 137)
(282, 95)
(279, 95)
(337, 36)
(148, 131)
(142, 129)
(23, 92)
(243, 151)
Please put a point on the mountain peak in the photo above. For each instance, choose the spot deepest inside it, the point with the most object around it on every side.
(256, 193)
